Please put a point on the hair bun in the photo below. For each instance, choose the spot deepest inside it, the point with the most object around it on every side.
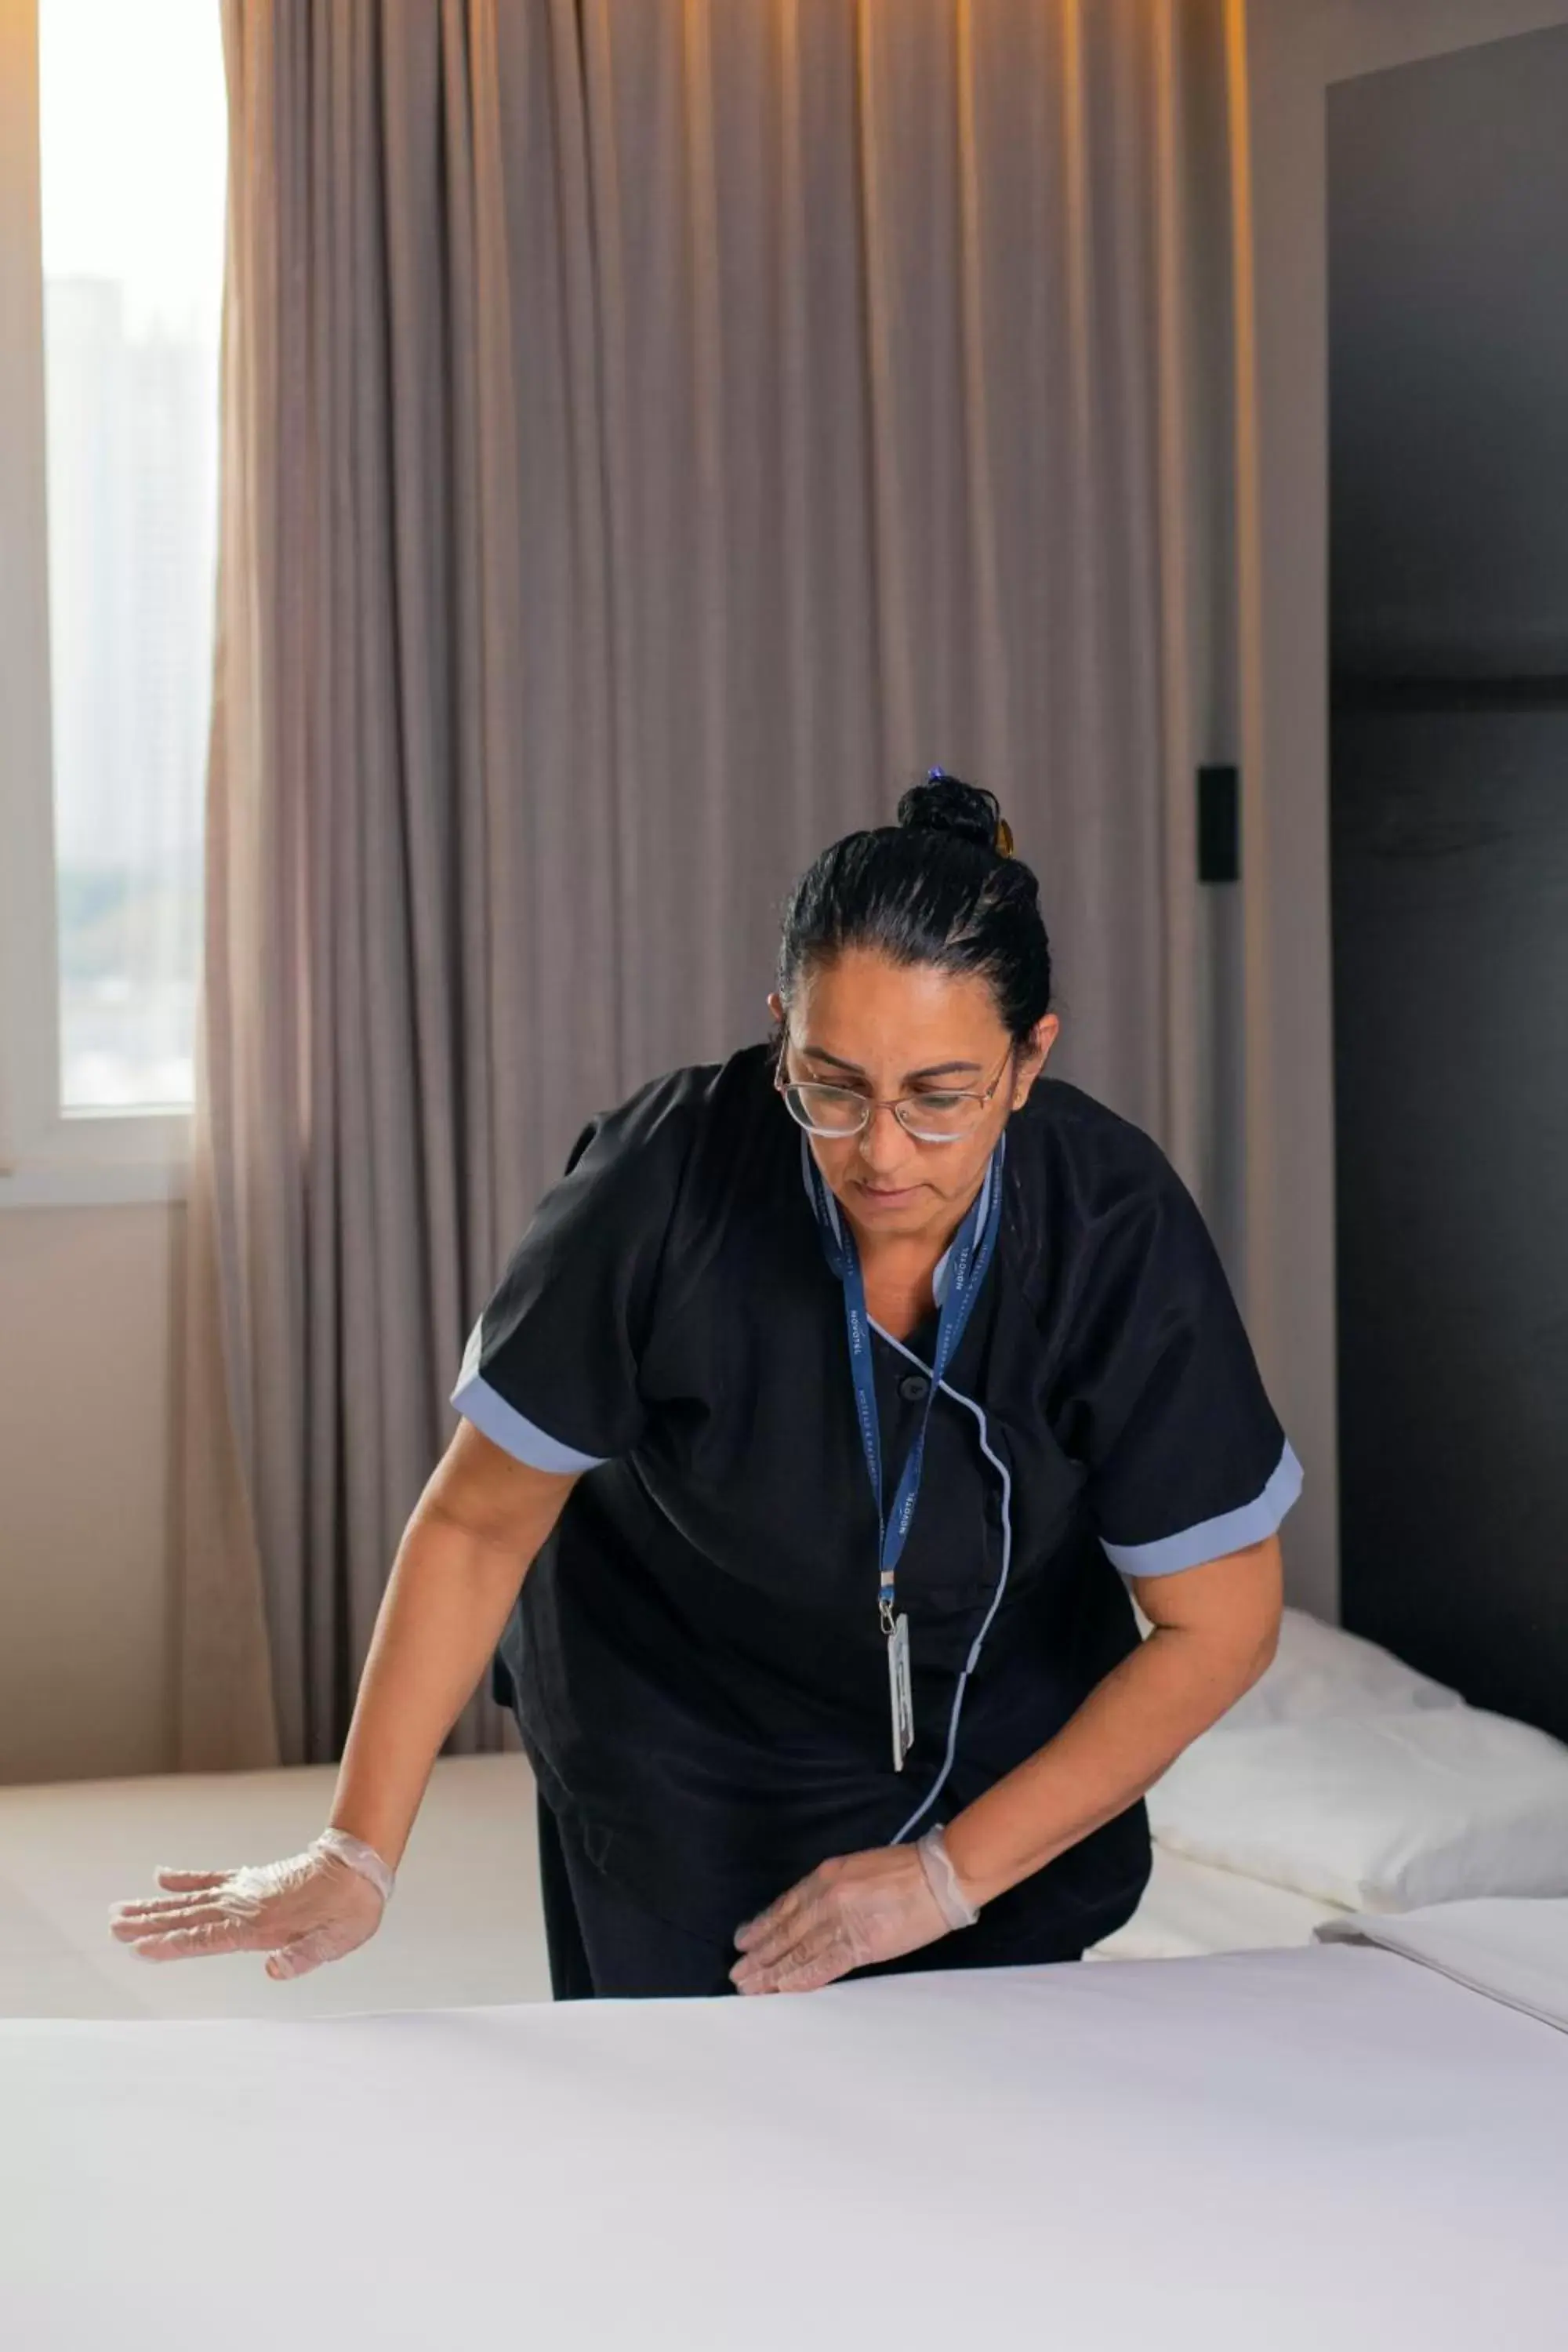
(945, 803)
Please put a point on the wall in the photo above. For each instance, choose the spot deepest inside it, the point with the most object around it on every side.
(1451, 981)
(1294, 49)
(87, 1308)
(1448, 352)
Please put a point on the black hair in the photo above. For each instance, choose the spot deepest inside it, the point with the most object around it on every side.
(938, 887)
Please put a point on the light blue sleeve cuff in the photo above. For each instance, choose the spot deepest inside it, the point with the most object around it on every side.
(1212, 1538)
(506, 1427)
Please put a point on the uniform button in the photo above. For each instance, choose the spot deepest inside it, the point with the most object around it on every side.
(913, 1386)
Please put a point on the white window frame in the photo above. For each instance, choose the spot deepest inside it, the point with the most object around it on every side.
(48, 1157)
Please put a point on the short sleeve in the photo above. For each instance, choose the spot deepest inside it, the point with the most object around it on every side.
(550, 1371)
(1187, 1458)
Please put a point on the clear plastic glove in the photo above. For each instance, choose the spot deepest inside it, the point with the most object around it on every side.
(316, 1906)
(857, 1908)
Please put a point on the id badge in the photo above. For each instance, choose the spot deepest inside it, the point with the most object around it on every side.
(900, 1691)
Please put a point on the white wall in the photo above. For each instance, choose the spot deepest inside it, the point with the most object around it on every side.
(87, 1368)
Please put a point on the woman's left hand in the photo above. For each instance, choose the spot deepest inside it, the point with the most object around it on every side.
(856, 1909)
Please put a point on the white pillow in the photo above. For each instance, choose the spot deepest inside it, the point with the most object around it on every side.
(1320, 1669)
(1380, 1810)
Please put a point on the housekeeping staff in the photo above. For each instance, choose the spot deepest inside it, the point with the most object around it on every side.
(810, 1443)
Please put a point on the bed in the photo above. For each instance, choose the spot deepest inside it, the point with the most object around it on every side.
(1343, 1782)
(465, 1928)
(1267, 2149)
(1319, 2080)
(1193, 1907)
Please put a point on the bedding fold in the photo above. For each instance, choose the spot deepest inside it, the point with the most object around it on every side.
(1512, 1949)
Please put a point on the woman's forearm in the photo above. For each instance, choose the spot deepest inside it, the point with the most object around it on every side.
(447, 1598)
(1132, 1727)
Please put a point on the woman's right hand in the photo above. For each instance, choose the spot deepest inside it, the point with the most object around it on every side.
(313, 1907)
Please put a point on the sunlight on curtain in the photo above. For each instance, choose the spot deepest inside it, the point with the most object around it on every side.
(133, 129)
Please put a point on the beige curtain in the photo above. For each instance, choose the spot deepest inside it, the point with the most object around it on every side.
(654, 431)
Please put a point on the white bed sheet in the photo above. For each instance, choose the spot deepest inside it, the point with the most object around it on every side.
(465, 1929)
(1270, 2150)
(1514, 1949)
(1192, 1907)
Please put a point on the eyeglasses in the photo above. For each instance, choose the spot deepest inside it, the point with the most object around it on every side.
(931, 1118)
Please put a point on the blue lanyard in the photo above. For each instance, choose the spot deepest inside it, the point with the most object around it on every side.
(970, 1256)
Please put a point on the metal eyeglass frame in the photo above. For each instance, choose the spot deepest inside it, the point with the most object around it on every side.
(870, 1103)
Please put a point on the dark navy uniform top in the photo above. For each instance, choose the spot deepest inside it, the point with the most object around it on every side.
(695, 1659)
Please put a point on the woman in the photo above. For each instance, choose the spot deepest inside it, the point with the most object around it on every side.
(810, 1443)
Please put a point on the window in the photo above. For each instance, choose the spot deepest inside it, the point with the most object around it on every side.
(111, 229)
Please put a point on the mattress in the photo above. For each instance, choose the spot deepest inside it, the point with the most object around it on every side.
(1254, 2149)
(465, 1927)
